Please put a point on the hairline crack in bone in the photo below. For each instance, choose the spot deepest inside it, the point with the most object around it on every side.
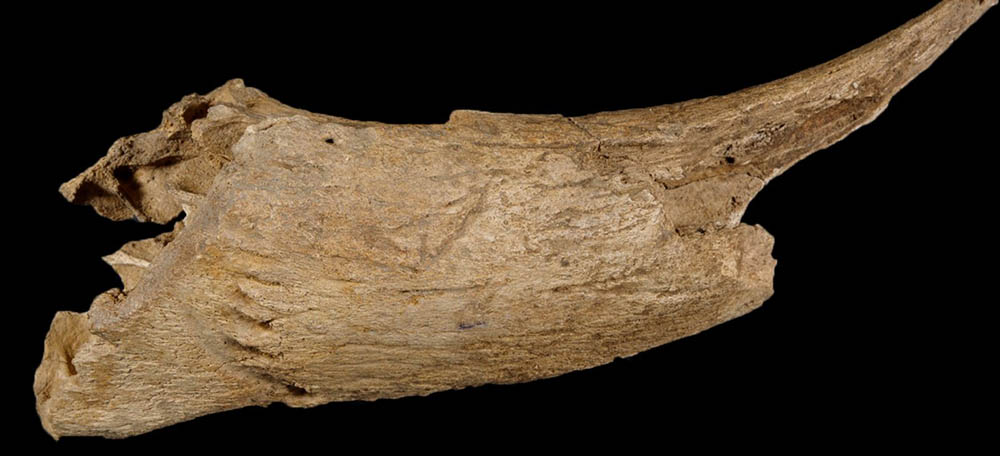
(323, 259)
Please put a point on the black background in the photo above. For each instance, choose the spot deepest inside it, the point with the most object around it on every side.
(875, 327)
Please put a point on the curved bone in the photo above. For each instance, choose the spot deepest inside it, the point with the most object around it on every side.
(323, 259)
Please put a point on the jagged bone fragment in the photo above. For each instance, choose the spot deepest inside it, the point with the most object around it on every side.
(322, 259)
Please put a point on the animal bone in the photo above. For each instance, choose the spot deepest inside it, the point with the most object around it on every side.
(323, 259)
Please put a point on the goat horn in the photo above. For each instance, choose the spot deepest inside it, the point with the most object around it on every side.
(323, 259)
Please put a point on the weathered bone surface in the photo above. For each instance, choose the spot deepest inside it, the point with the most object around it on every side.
(323, 259)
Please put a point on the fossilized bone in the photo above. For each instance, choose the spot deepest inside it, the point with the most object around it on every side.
(323, 259)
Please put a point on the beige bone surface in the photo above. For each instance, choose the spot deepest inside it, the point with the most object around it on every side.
(322, 259)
